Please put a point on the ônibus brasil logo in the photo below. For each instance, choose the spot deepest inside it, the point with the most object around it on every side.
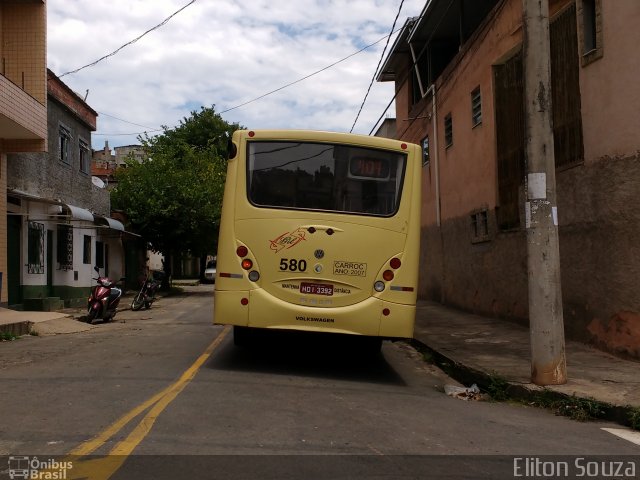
(23, 467)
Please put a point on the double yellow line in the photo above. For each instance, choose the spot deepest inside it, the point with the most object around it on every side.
(103, 468)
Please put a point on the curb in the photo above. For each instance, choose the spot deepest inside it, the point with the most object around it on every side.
(526, 393)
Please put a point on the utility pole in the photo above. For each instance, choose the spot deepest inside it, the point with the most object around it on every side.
(548, 362)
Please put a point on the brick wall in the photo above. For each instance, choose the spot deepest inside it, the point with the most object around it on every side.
(57, 89)
(24, 38)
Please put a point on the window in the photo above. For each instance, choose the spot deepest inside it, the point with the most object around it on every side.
(590, 22)
(323, 176)
(425, 151)
(589, 25)
(85, 156)
(64, 144)
(100, 254)
(565, 89)
(65, 247)
(480, 226)
(476, 107)
(36, 248)
(448, 131)
(86, 250)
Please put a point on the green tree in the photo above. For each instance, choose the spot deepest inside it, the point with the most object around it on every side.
(174, 199)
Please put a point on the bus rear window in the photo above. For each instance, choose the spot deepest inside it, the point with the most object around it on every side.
(321, 176)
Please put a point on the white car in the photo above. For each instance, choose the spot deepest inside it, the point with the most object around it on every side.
(210, 272)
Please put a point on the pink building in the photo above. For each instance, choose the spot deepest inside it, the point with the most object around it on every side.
(459, 91)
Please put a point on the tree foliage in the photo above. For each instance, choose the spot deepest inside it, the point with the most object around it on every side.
(174, 198)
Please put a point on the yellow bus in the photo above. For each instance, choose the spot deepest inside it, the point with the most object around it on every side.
(319, 232)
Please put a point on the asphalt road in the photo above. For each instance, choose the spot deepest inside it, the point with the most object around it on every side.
(168, 395)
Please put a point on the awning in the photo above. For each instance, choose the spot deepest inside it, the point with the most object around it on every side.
(80, 213)
(76, 213)
(109, 222)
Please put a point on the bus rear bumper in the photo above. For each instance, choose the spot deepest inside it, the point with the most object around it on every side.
(265, 311)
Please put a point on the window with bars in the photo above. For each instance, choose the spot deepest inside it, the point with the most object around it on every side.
(64, 144)
(36, 248)
(84, 154)
(476, 107)
(480, 226)
(65, 247)
(448, 130)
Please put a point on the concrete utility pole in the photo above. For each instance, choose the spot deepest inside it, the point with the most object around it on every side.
(548, 362)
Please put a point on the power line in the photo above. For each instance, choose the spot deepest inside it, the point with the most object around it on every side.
(305, 77)
(126, 121)
(130, 42)
(378, 67)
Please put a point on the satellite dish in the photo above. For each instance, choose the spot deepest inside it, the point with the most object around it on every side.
(97, 182)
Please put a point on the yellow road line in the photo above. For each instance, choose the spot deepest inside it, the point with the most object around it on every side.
(104, 468)
(135, 437)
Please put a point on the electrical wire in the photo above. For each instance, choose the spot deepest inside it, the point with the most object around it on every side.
(130, 42)
(375, 73)
(307, 76)
(126, 121)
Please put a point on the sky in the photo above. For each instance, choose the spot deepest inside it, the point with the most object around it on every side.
(225, 53)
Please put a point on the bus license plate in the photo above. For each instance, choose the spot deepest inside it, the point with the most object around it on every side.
(316, 288)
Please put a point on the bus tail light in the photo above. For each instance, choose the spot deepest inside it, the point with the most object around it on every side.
(244, 301)
(386, 312)
(388, 275)
(247, 264)
(242, 251)
(395, 263)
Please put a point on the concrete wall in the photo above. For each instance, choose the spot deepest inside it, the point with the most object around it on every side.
(44, 175)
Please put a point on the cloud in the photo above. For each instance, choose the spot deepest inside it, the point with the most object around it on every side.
(224, 53)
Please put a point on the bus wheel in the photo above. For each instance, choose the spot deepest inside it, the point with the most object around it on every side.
(241, 336)
(371, 345)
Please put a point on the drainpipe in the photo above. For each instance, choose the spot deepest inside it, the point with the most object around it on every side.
(434, 118)
(415, 65)
(436, 166)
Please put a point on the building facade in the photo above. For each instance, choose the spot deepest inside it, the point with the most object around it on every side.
(23, 97)
(58, 220)
(105, 163)
(459, 92)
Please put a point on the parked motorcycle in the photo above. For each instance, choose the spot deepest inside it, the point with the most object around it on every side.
(104, 299)
(146, 295)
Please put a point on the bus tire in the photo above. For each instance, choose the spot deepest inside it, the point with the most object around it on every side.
(241, 336)
(371, 345)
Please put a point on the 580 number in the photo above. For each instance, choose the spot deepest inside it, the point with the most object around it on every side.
(293, 265)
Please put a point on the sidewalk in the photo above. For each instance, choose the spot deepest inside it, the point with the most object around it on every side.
(67, 320)
(477, 349)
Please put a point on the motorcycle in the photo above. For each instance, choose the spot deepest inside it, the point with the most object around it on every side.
(146, 295)
(104, 299)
